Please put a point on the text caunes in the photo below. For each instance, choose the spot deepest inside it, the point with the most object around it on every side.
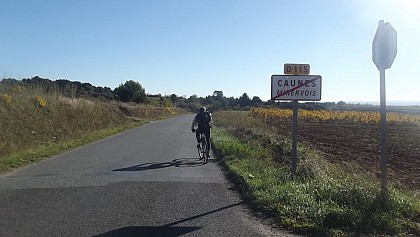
(293, 83)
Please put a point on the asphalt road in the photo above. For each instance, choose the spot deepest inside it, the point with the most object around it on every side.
(146, 181)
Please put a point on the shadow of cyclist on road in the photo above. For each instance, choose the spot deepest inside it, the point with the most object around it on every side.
(180, 163)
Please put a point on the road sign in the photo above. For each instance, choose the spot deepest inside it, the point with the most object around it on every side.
(295, 69)
(305, 87)
(384, 50)
(384, 46)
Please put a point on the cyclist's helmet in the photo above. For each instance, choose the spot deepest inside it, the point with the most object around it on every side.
(203, 109)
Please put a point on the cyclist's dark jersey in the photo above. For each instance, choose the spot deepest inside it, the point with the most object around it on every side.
(203, 120)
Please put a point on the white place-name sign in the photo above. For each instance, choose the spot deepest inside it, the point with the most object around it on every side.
(302, 87)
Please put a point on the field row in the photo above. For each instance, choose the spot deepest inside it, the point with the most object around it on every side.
(338, 116)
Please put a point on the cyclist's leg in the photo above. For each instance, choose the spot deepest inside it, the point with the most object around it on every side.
(208, 133)
(198, 135)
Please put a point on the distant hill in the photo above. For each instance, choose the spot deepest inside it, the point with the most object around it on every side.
(390, 102)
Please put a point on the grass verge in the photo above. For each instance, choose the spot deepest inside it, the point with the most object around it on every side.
(324, 200)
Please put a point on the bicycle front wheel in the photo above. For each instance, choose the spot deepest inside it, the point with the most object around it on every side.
(201, 150)
(205, 150)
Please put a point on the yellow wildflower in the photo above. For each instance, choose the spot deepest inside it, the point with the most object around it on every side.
(40, 102)
(6, 98)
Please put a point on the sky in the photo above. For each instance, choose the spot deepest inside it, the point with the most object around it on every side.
(188, 47)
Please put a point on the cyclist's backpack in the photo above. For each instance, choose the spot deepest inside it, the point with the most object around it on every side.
(203, 119)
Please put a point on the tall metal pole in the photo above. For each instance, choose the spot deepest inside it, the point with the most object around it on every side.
(384, 140)
(294, 137)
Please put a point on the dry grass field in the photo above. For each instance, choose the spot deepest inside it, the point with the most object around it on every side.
(35, 124)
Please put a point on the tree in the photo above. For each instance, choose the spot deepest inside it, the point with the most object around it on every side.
(208, 100)
(192, 99)
(231, 101)
(256, 101)
(218, 94)
(244, 100)
(341, 103)
(131, 91)
(174, 98)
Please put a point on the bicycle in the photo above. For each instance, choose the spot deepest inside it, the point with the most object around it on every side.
(203, 148)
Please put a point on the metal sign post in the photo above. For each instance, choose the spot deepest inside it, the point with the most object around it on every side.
(299, 86)
(384, 50)
(294, 137)
(384, 137)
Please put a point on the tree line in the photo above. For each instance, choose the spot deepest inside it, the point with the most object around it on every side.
(132, 91)
(71, 89)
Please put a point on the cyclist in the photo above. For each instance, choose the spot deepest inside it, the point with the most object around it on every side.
(203, 122)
